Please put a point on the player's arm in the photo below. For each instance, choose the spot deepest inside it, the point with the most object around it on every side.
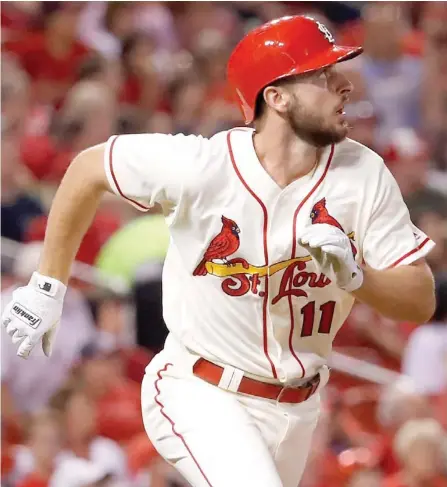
(35, 310)
(395, 280)
(406, 292)
(142, 169)
(72, 212)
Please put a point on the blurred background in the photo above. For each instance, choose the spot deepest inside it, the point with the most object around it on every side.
(74, 73)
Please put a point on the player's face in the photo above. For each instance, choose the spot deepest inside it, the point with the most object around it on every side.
(315, 106)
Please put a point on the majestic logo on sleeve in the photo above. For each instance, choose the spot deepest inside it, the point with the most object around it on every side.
(320, 214)
(240, 277)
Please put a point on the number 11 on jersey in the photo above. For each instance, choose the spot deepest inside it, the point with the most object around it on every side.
(308, 312)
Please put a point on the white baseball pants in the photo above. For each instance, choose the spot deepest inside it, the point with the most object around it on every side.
(218, 438)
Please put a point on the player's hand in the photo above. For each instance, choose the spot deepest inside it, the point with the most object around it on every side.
(331, 249)
(34, 313)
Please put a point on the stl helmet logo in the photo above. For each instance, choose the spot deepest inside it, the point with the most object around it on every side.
(325, 31)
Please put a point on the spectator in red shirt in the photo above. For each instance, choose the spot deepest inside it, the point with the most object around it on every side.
(87, 117)
(51, 57)
(40, 454)
(15, 99)
(80, 420)
(108, 72)
(220, 111)
(116, 397)
(17, 17)
(186, 101)
(398, 404)
(142, 86)
(419, 446)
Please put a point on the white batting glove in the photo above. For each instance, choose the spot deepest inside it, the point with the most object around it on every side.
(34, 313)
(331, 250)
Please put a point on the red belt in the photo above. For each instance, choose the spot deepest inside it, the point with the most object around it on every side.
(212, 373)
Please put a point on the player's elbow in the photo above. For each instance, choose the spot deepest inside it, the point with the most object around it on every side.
(418, 302)
(410, 311)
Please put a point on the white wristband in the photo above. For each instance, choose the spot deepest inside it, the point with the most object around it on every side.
(48, 285)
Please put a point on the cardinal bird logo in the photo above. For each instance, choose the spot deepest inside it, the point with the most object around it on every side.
(319, 214)
(223, 245)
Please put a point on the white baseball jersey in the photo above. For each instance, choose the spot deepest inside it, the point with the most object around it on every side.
(238, 289)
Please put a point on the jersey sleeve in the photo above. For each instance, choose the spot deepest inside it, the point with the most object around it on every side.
(145, 169)
(391, 239)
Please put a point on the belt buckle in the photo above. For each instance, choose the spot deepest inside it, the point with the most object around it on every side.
(315, 380)
(312, 384)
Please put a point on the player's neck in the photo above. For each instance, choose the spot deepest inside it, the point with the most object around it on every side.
(284, 156)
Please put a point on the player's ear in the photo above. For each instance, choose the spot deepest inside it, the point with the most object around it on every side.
(277, 98)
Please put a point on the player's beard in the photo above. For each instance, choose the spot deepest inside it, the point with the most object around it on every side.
(314, 128)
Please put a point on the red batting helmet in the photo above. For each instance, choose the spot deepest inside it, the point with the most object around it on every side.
(283, 47)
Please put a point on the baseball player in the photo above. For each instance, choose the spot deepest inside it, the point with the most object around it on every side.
(275, 231)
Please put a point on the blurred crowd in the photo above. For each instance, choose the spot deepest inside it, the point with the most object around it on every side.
(75, 73)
